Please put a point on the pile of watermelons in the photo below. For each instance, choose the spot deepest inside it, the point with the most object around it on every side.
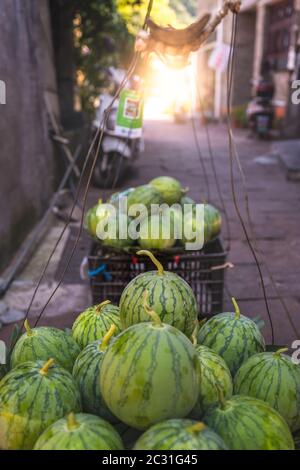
(165, 192)
(145, 375)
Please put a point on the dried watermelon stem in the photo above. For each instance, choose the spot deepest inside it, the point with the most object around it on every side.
(72, 423)
(45, 369)
(107, 337)
(280, 351)
(221, 398)
(156, 318)
(154, 260)
(27, 328)
(195, 334)
(102, 305)
(236, 308)
(197, 427)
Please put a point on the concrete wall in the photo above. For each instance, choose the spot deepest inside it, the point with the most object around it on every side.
(27, 165)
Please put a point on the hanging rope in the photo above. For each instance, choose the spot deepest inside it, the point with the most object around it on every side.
(98, 135)
(201, 158)
(231, 160)
(260, 257)
(214, 168)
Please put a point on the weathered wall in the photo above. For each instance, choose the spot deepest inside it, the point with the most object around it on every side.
(26, 159)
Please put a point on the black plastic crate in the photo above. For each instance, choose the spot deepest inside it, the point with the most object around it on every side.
(203, 270)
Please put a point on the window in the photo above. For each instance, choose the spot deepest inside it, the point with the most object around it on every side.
(279, 27)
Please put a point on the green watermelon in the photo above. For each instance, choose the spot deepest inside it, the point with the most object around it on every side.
(179, 434)
(149, 374)
(193, 229)
(186, 200)
(246, 423)
(169, 295)
(91, 221)
(146, 195)
(215, 376)
(33, 395)
(94, 215)
(274, 378)
(87, 375)
(170, 188)
(113, 232)
(79, 432)
(93, 323)
(152, 232)
(214, 220)
(118, 198)
(233, 336)
(42, 343)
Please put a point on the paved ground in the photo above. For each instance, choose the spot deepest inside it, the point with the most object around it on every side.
(275, 206)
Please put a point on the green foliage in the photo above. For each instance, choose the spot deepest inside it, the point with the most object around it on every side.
(101, 40)
(104, 33)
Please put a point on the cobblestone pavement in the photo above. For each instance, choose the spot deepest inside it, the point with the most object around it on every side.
(275, 208)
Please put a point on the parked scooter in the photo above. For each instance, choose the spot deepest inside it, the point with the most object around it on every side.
(260, 110)
(120, 145)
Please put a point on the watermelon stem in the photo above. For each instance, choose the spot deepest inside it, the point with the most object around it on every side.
(280, 351)
(100, 306)
(156, 318)
(106, 338)
(195, 334)
(197, 427)
(71, 422)
(236, 308)
(154, 260)
(221, 398)
(27, 328)
(44, 370)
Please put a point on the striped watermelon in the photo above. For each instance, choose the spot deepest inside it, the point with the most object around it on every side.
(169, 295)
(33, 396)
(91, 221)
(180, 434)
(152, 235)
(193, 228)
(94, 322)
(186, 200)
(214, 219)
(42, 343)
(274, 378)
(79, 432)
(94, 215)
(215, 376)
(170, 188)
(146, 195)
(87, 375)
(233, 336)
(116, 198)
(149, 374)
(246, 423)
(114, 232)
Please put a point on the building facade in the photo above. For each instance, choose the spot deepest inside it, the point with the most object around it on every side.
(27, 164)
(268, 31)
